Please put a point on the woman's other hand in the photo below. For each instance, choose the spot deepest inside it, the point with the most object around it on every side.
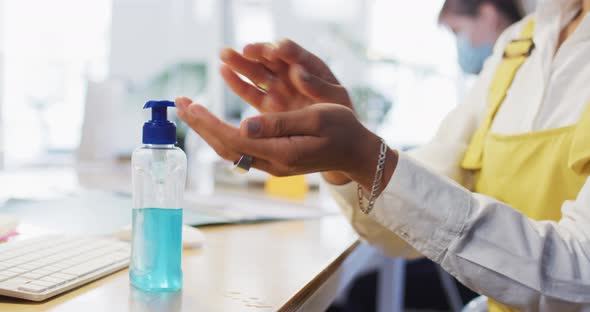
(286, 77)
(318, 138)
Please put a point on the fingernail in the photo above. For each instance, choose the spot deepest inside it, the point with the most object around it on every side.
(182, 102)
(268, 51)
(194, 110)
(253, 127)
(283, 41)
(269, 46)
(225, 53)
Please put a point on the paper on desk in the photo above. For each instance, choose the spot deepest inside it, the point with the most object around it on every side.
(37, 184)
(244, 208)
(87, 212)
(92, 212)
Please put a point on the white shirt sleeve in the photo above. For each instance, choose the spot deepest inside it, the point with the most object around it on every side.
(488, 245)
(368, 229)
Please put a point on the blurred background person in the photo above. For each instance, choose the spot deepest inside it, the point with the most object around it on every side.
(477, 24)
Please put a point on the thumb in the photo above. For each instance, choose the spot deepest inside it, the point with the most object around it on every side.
(293, 123)
(317, 88)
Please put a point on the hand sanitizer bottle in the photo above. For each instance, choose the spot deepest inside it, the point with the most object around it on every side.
(159, 175)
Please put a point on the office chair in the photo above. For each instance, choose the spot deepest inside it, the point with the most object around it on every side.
(390, 296)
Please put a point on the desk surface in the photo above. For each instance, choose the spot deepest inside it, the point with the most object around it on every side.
(257, 267)
(254, 267)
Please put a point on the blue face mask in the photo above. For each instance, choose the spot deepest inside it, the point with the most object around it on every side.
(471, 58)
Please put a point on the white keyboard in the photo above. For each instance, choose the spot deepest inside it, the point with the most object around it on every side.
(37, 269)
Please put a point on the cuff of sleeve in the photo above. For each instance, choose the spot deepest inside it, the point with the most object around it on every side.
(427, 210)
(345, 196)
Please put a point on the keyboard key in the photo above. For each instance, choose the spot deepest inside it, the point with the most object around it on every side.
(18, 270)
(43, 283)
(59, 265)
(71, 261)
(42, 272)
(33, 288)
(7, 255)
(28, 266)
(31, 276)
(10, 263)
(28, 258)
(53, 279)
(45, 261)
(64, 276)
(4, 277)
(53, 268)
(88, 267)
(14, 283)
(119, 256)
(10, 273)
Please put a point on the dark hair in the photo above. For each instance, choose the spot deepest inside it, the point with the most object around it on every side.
(470, 8)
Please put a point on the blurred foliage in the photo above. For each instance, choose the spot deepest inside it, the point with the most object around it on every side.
(370, 105)
(181, 78)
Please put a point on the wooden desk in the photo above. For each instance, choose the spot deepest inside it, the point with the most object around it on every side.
(258, 267)
(279, 266)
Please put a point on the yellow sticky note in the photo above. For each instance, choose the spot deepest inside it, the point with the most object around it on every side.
(294, 187)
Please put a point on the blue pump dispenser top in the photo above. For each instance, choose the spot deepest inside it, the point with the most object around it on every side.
(159, 130)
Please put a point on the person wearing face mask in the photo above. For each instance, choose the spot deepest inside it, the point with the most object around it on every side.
(477, 25)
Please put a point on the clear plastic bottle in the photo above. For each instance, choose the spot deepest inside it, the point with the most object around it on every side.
(159, 175)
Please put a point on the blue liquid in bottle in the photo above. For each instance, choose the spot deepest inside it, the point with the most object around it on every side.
(157, 247)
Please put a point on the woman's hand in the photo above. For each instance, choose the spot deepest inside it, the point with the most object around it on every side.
(317, 138)
(287, 77)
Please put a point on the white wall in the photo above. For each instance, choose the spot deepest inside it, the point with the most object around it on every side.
(1, 83)
(148, 35)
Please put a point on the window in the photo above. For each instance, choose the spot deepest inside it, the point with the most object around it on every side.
(253, 21)
(51, 49)
(381, 50)
(423, 84)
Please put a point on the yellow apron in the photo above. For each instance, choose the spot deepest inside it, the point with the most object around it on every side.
(533, 172)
